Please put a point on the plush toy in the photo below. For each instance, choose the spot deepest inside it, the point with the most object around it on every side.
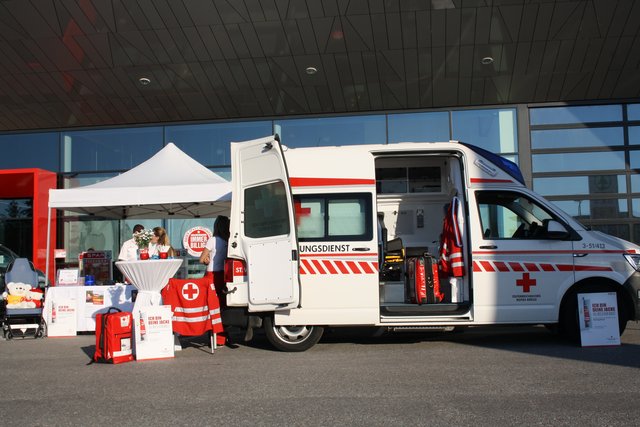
(18, 295)
(36, 295)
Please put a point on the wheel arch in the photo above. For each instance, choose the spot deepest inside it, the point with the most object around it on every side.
(612, 285)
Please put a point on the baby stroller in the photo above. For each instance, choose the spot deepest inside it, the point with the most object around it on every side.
(22, 322)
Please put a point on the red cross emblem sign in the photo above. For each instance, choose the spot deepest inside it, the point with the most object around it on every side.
(190, 291)
(526, 282)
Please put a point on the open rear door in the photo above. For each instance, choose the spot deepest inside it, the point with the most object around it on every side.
(263, 232)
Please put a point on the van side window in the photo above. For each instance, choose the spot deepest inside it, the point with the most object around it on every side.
(266, 213)
(334, 217)
(511, 215)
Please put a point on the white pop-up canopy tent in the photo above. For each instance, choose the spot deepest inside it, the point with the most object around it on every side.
(168, 185)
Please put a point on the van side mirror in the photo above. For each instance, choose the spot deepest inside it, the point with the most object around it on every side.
(556, 231)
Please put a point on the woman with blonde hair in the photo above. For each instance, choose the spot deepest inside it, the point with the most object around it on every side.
(161, 239)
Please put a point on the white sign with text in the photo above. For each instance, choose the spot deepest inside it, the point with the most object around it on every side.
(598, 317)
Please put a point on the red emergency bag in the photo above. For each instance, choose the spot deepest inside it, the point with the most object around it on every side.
(113, 336)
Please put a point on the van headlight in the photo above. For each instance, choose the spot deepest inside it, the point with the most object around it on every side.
(634, 260)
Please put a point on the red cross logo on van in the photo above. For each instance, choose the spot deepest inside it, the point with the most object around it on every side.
(190, 291)
(526, 282)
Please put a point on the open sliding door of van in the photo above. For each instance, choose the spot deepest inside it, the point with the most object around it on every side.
(263, 232)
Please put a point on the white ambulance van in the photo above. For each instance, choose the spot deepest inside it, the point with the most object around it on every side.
(321, 237)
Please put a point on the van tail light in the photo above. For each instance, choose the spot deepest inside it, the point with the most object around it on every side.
(233, 268)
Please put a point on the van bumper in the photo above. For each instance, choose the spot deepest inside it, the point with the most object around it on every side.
(632, 285)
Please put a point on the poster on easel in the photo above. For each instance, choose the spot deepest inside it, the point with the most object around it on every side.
(598, 317)
(153, 333)
(62, 318)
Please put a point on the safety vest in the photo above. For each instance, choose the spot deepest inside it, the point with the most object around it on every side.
(195, 306)
(451, 260)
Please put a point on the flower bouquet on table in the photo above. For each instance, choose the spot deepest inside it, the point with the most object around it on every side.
(142, 239)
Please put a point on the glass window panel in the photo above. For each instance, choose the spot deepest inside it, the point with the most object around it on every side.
(510, 215)
(577, 138)
(112, 149)
(568, 115)
(493, 130)
(634, 135)
(560, 186)
(265, 210)
(419, 127)
(582, 209)
(602, 160)
(82, 235)
(633, 111)
(634, 159)
(347, 217)
(310, 218)
(30, 150)
(333, 131)
(209, 143)
(635, 183)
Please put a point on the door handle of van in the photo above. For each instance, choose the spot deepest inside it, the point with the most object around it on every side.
(579, 255)
(361, 249)
(489, 247)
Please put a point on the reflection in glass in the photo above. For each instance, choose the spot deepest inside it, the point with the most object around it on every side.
(577, 138)
(567, 185)
(633, 111)
(333, 131)
(30, 150)
(634, 159)
(493, 130)
(419, 127)
(209, 143)
(634, 135)
(569, 115)
(563, 162)
(110, 149)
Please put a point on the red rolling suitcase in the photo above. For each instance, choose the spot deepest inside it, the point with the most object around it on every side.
(113, 336)
(423, 284)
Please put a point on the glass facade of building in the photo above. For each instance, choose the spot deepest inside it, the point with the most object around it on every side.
(584, 158)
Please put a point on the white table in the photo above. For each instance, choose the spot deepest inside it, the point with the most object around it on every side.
(149, 277)
(89, 301)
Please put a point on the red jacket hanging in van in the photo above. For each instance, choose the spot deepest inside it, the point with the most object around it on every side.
(451, 259)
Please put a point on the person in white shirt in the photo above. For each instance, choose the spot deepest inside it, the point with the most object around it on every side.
(129, 249)
(213, 255)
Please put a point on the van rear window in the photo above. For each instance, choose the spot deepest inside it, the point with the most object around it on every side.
(266, 213)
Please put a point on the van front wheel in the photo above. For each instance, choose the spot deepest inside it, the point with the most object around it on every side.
(291, 338)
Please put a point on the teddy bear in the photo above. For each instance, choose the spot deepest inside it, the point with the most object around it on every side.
(19, 295)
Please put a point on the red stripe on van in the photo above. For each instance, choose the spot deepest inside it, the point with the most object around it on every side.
(516, 266)
(488, 180)
(487, 266)
(321, 182)
(354, 268)
(318, 266)
(547, 267)
(342, 267)
(476, 267)
(329, 266)
(531, 267)
(366, 267)
(592, 268)
(501, 266)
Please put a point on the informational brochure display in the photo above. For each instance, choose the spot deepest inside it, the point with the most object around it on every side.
(62, 318)
(598, 317)
(153, 332)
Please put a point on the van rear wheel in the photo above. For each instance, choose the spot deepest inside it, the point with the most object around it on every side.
(291, 338)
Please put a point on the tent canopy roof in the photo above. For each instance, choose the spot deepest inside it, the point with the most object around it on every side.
(169, 184)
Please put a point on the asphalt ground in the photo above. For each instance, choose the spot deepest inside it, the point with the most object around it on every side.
(482, 376)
